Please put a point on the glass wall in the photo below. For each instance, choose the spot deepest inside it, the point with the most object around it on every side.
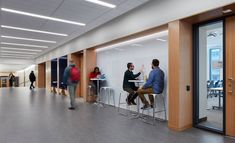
(54, 73)
(209, 76)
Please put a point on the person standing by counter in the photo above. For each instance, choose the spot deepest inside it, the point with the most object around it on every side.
(94, 74)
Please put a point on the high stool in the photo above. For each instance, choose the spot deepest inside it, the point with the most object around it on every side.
(108, 92)
(129, 113)
(161, 95)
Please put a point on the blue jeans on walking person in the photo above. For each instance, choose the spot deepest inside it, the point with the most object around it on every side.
(72, 94)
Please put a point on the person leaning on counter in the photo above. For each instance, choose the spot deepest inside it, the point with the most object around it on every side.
(94, 74)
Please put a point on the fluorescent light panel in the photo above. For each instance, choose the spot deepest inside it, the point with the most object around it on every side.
(33, 30)
(147, 37)
(16, 52)
(18, 55)
(27, 39)
(14, 57)
(20, 49)
(25, 45)
(99, 2)
(41, 16)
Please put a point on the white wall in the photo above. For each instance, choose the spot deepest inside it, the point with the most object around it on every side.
(113, 63)
(152, 14)
(24, 75)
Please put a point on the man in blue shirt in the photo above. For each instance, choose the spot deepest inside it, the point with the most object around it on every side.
(154, 84)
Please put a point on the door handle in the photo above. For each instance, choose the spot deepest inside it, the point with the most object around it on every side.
(232, 81)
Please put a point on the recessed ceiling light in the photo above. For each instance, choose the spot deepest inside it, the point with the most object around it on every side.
(41, 16)
(99, 2)
(162, 40)
(20, 49)
(26, 45)
(16, 52)
(227, 11)
(27, 39)
(33, 30)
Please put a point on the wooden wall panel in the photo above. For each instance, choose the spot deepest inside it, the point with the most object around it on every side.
(78, 59)
(230, 73)
(173, 75)
(48, 75)
(180, 75)
(41, 75)
(89, 62)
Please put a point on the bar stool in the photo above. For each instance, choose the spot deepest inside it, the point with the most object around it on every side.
(129, 113)
(161, 95)
(108, 92)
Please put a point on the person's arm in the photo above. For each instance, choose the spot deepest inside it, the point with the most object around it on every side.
(133, 76)
(149, 81)
(65, 75)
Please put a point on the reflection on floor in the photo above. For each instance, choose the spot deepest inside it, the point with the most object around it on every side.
(39, 117)
(214, 116)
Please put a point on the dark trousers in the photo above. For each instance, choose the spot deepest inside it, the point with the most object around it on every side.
(132, 95)
(31, 85)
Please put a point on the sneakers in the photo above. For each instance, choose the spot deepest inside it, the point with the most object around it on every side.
(128, 102)
(146, 106)
(71, 108)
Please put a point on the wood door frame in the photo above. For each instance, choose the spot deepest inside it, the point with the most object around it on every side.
(230, 116)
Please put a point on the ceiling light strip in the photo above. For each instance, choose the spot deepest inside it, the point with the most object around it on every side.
(25, 45)
(99, 2)
(42, 16)
(15, 52)
(20, 49)
(27, 39)
(147, 37)
(15, 57)
(33, 30)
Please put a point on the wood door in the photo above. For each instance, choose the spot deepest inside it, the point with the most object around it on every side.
(230, 76)
(41, 75)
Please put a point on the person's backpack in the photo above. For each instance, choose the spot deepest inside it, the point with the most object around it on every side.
(74, 74)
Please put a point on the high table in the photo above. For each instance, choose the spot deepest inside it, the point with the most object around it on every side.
(220, 90)
(137, 81)
(98, 91)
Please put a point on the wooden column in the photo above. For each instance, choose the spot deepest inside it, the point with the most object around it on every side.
(48, 75)
(230, 74)
(180, 75)
(41, 75)
(89, 62)
(78, 59)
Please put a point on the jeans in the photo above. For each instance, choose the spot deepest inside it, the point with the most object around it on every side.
(72, 94)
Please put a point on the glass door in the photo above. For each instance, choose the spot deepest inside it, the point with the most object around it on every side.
(209, 72)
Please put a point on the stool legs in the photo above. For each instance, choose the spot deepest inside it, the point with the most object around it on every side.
(154, 108)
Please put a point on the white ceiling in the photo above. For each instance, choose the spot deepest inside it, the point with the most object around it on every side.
(75, 10)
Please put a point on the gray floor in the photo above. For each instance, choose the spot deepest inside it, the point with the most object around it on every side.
(38, 117)
(214, 116)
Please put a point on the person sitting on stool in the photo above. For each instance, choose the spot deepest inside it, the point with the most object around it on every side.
(130, 86)
(154, 84)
